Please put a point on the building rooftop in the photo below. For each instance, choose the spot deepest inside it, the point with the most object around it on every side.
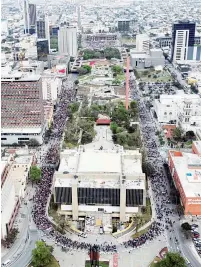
(197, 144)
(188, 168)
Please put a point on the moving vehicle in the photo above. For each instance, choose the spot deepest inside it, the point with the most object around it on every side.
(6, 263)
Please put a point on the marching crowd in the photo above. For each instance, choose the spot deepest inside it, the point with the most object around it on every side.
(43, 191)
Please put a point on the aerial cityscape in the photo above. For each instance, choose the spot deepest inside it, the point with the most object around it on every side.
(100, 133)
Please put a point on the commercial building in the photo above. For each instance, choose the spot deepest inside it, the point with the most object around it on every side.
(186, 173)
(54, 37)
(42, 49)
(183, 40)
(14, 175)
(182, 109)
(22, 114)
(67, 40)
(123, 25)
(108, 181)
(29, 17)
(42, 28)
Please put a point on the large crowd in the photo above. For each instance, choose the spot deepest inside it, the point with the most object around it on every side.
(43, 191)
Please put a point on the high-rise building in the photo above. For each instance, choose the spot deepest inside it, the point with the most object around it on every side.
(54, 37)
(142, 42)
(42, 29)
(22, 112)
(183, 36)
(79, 17)
(29, 17)
(123, 25)
(67, 40)
(42, 49)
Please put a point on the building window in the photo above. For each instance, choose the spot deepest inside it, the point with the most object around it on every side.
(3, 138)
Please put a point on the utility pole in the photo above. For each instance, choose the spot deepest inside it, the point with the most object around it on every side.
(127, 79)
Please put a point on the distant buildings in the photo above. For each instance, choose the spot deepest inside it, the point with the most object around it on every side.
(186, 173)
(109, 181)
(42, 49)
(100, 40)
(67, 40)
(29, 17)
(183, 42)
(181, 109)
(22, 112)
(123, 25)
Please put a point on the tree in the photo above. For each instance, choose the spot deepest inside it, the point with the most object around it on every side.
(177, 133)
(87, 67)
(82, 71)
(113, 127)
(117, 69)
(172, 259)
(41, 255)
(186, 226)
(33, 142)
(35, 173)
(76, 82)
(62, 223)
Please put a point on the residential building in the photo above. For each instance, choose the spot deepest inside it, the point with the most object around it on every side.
(108, 181)
(182, 109)
(123, 25)
(186, 173)
(14, 175)
(22, 113)
(183, 37)
(42, 49)
(67, 40)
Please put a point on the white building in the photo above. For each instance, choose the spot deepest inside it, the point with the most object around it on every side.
(142, 42)
(67, 40)
(14, 175)
(4, 27)
(90, 180)
(182, 108)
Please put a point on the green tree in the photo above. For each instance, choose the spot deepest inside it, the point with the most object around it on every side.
(172, 260)
(33, 142)
(74, 107)
(87, 67)
(76, 82)
(35, 173)
(117, 69)
(177, 133)
(82, 71)
(186, 226)
(41, 255)
(113, 127)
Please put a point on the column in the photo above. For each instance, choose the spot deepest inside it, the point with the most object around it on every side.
(74, 201)
(122, 202)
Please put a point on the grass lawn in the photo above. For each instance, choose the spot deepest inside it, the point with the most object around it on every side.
(138, 234)
(101, 264)
(53, 263)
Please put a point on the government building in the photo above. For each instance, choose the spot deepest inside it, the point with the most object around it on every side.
(97, 180)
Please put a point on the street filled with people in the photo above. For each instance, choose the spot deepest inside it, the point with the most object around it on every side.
(51, 159)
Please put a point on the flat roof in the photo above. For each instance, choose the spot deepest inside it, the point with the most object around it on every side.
(188, 167)
(91, 161)
(28, 130)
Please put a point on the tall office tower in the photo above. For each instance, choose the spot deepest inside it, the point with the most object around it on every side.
(22, 112)
(183, 35)
(79, 17)
(54, 37)
(67, 40)
(42, 29)
(42, 49)
(123, 25)
(29, 17)
(142, 42)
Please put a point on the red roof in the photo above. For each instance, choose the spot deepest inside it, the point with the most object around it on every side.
(91, 63)
(103, 121)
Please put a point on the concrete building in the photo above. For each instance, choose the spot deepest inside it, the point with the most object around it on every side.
(142, 59)
(142, 42)
(186, 172)
(67, 40)
(108, 181)
(22, 113)
(14, 175)
(182, 109)
(42, 28)
(42, 49)
(123, 25)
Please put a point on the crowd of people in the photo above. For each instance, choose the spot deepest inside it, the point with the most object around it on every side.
(43, 191)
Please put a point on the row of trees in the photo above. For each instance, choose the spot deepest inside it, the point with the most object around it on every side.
(10, 238)
(107, 53)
